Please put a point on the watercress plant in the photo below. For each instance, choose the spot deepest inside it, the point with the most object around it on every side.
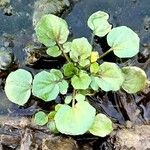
(83, 74)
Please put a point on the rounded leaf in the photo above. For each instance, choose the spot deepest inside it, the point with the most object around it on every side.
(53, 51)
(18, 86)
(50, 29)
(102, 126)
(45, 87)
(94, 84)
(68, 99)
(80, 49)
(98, 22)
(67, 47)
(52, 127)
(70, 70)
(81, 81)
(80, 97)
(40, 118)
(94, 68)
(110, 77)
(58, 74)
(135, 79)
(63, 86)
(76, 120)
(123, 41)
(94, 56)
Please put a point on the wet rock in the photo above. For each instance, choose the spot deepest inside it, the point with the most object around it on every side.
(42, 7)
(6, 58)
(3, 3)
(34, 51)
(137, 138)
(59, 143)
(147, 23)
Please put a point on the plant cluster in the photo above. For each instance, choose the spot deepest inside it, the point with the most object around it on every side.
(83, 74)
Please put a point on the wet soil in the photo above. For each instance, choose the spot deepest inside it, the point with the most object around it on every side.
(17, 34)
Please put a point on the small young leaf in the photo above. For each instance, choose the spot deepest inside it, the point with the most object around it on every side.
(98, 22)
(110, 77)
(80, 97)
(63, 86)
(40, 118)
(53, 51)
(102, 126)
(57, 74)
(50, 29)
(67, 47)
(68, 99)
(94, 56)
(81, 81)
(57, 107)
(123, 41)
(80, 49)
(94, 84)
(45, 87)
(76, 120)
(52, 127)
(84, 62)
(94, 68)
(70, 70)
(135, 79)
(51, 115)
(18, 86)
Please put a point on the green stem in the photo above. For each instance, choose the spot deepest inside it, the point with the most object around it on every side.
(107, 52)
(65, 55)
(92, 39)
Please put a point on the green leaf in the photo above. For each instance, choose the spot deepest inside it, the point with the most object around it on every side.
(84, 62)
(40, 118)
(102, 126)
(68, 99)
(80, 49)
(70, 70)
(94, 84)
(94, 68)
(50, 29)
(80, 97)
(98, 22)
(51, 115)
(76, 120)
(45, 86)
(94, 56)
(63, 86)
(110, 77)
(52, 127)
(135, 79)
(57, 107)
(81, 81)
(54, 51)
(123, 41)
(67, 47)
(18, 86)
(57, 74)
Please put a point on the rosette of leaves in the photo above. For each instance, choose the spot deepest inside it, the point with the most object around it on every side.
(47, 85)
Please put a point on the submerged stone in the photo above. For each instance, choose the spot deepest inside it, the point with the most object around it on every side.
(42, 7)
